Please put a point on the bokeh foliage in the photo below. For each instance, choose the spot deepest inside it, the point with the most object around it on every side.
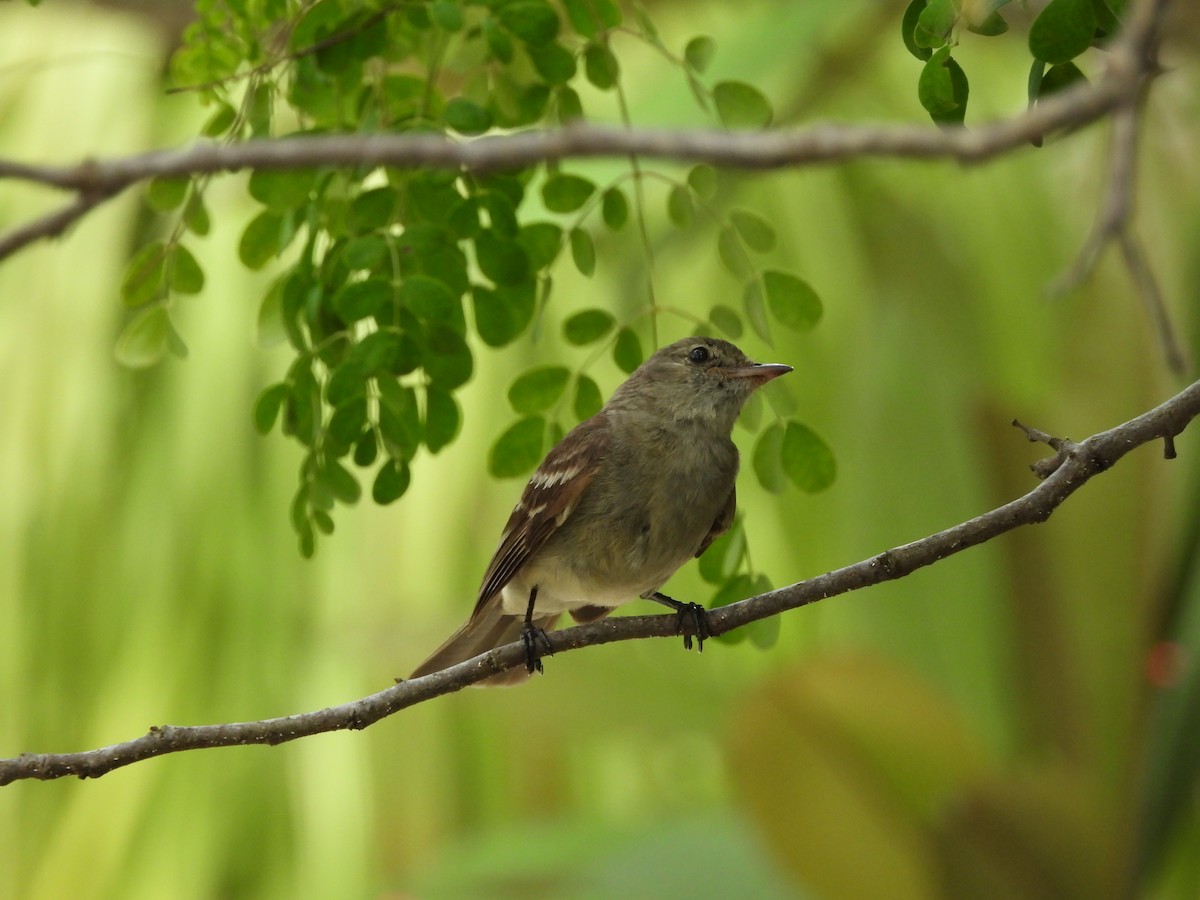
(997, 722)
(389, 276)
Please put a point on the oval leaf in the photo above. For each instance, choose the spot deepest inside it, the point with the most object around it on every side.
(566, 193)
(519, 449)
(588, 326)
(740, 105)
(144, 340)
(1062, 30)
(768, 459)
(807, 460)
(792, 301)
(538, 389)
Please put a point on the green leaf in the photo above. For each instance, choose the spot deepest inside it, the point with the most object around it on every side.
(145, 274)
(724, 556)
(144, 340)
(366, 449)
(1062, 30)
(361, 299)
(768, 459)
(614, 209)
(262, 239)
(807, 460)
(583, 252)
(538, 389)
(165, 194)
(763, 633)
(503, 313)
(727, 320)
(345, 426)
(466, 117)
(446, 15)
(569, 106)
(323, 521)
(702, 179)
(601, 66)
(587, 397)
(740, 105)
(566, 193)
(391, 481)
(627, 351)
(220, 121)
(533, 21)
(281, 191)
(554, 62)
(399, 419)
(752, 412)
(935, 23)
(347, 382)
(186, 275)
(542, 241)
(756, 309)
(792, 301)
(518, 449)
(699, 53)
(590, 16)
(756, 231)
(499, 44)
(588, 326)
(732, 253)
(991, 25)
(908, 29)
(1060, 77)
(428, 299)
(269, 328)
(442, 418)
(195, 215)
(366, 252)
(739, 587)
(341, 483)
(372, 210)
(942, 88)
(501, 259)
(679, 207)
(448, 361)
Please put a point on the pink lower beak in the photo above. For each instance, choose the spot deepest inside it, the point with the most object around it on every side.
(760, 373)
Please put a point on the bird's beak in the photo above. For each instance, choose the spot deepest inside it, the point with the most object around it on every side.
(759, 373)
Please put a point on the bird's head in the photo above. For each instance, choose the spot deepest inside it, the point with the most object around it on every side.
(700, 378)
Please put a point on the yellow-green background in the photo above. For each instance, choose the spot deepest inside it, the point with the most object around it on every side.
(148, 574)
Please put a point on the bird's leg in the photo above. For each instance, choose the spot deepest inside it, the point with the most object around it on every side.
(536, 643)
(684, 612)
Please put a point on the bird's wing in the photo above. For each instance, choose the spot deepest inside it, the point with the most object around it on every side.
(721, 523)
(549, 498)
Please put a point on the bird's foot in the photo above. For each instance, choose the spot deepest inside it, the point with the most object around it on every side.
(691, 619)
(537, 645)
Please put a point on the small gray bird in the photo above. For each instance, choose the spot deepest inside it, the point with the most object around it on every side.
(625, 499)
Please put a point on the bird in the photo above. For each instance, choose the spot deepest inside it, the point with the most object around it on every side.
(625, 499)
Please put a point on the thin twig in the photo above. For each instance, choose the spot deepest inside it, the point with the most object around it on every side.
(1080, 463)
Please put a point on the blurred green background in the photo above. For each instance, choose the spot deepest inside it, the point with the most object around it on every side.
(985, 727)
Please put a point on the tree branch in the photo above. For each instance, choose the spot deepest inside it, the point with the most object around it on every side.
(1127, 68)
(1064, 473)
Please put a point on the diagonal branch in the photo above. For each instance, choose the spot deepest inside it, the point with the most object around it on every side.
(1064, 473)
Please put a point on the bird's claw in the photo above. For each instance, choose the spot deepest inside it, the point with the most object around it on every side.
(537, 645)
(697, 615)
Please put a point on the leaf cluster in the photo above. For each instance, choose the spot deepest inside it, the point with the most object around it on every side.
(1062, 31)
(390, 280)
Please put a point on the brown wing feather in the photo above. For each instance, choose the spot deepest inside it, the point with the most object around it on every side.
(549, 498)
(721, 524)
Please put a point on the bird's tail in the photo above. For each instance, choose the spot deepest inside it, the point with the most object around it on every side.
(488, 627)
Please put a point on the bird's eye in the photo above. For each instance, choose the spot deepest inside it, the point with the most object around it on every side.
(698, 354)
